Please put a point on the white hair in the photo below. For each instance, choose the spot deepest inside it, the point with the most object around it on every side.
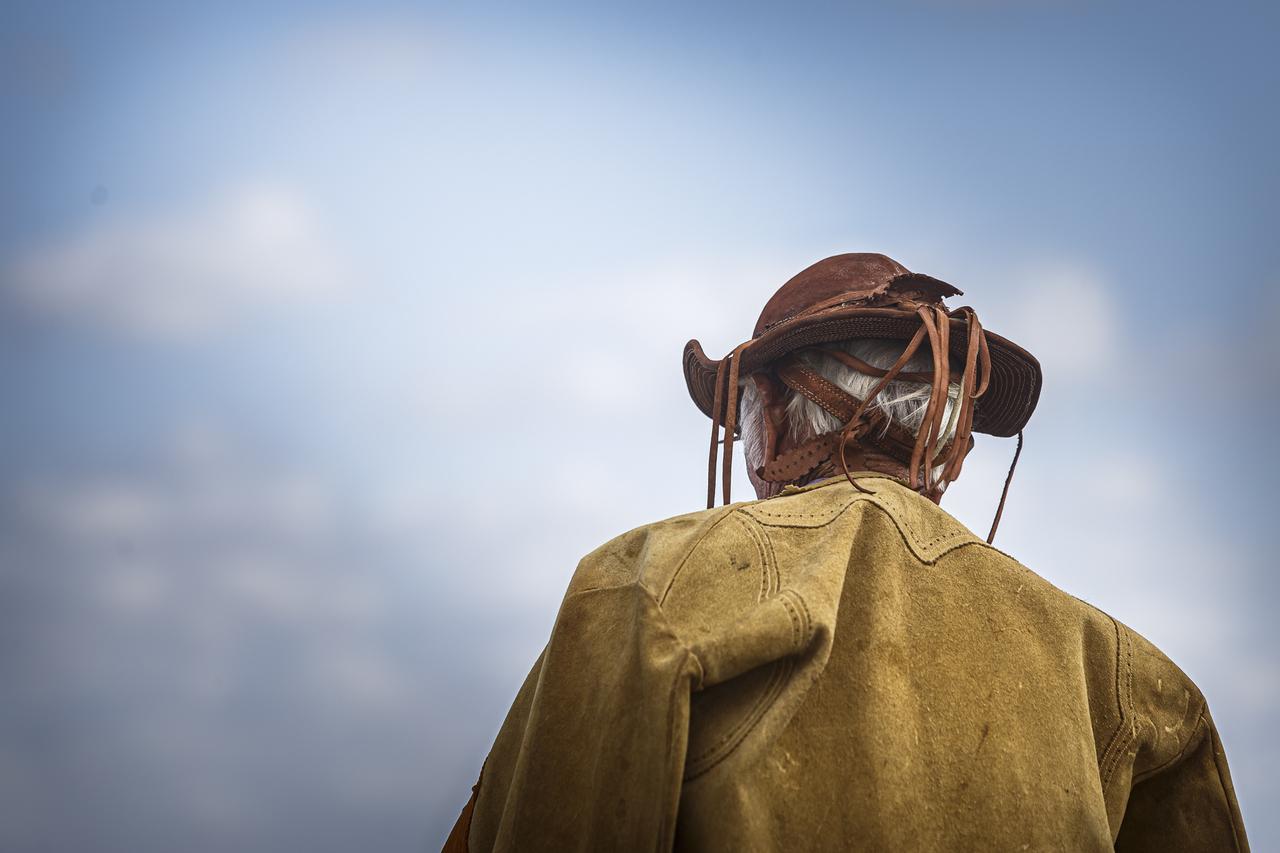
(903, 402)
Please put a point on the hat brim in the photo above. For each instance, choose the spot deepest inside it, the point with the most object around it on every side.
(1002, 411)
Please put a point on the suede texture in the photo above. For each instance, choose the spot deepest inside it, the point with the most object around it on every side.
(833, 670)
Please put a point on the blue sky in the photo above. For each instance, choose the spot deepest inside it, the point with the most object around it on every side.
(298, 302)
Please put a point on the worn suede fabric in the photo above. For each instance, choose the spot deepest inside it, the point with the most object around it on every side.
(833, 670)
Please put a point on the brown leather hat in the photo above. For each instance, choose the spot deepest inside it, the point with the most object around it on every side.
(866, 295)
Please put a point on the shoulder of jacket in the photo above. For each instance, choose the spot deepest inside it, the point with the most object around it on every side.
(650, 555)
(1168, 713)
(929, 531)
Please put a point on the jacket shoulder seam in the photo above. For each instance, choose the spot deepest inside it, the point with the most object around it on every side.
(802, 628)
(684, 559)
(802, 632)
(770, 574)
(924, 549)
(728, 744)
(1124, 732)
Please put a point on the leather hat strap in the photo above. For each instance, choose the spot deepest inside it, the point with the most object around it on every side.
(863, 422)
(874, 429)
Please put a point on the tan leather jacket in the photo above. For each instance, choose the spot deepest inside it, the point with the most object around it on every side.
(831, 670)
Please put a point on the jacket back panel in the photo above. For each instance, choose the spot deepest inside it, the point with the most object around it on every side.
(834, 667)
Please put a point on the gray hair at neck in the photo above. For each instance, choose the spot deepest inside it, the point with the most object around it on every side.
(903, 402)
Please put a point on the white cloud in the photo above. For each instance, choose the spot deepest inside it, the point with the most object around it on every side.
(186, 273)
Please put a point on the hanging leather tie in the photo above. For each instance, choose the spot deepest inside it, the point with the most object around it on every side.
(869, 423)
(922, 457)
(866, 295)
(889, 375)
(1004, 493)
(858, 416)
(726, 400)
(731, 419)
(715, 434)
(862, 421)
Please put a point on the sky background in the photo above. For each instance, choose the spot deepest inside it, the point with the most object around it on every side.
(332, 336)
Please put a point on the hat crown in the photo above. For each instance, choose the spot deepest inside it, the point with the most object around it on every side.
(853, 277)
(866, 295)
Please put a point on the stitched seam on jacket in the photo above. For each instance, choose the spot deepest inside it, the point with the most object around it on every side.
(1105, 758)
(795, 603)
(1125, 734)
(808, 619)
(794, 615)
(768, 569)
(802, 631)
(921, 548)
(771, 559)
(694, 547)
(1126, 729)
(834, 513)
(739, 730)
(760, 707)
(1114, 742)
(731, 740)
(770, 581)
(887, 506)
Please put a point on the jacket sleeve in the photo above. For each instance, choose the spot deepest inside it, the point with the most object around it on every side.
(592, 753)
(1179, 789)
(1189, 805)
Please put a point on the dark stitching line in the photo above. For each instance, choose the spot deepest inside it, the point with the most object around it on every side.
(1126, 730)
(1105, 758)
(757, 540)
(822, 382)
(740, 732)
(912, 537)
(753, 535)
(1133, 714)
(768, 583)
(729, 735)
(1129, 671)
(769, 576)
(1122, 641)
(1126, 735)
(808, 619)
(759, 510)
(801, 625)
(794, 615)
(771, 559)
(928, 551)
(685, 559)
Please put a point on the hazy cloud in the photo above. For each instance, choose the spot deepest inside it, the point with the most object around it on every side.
(1070, 315)
(183, 273)
(252, 642)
